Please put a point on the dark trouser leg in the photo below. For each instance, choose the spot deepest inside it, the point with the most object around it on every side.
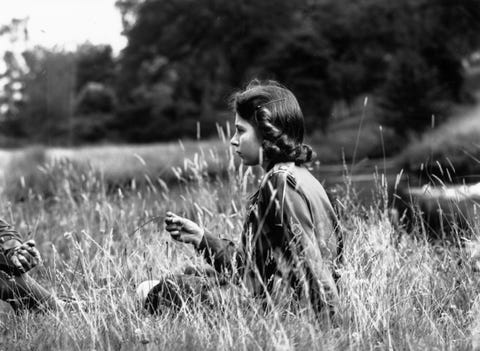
(180, 290)
(23, 292)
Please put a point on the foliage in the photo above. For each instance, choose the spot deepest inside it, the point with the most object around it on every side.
(195, 53)
(11, 77)
(48, 96)
(184, 58)
(425, 74)
(95, 97)
(96, 101)
(94, 113)
(61, 89)
(412, 95)
(309, 80)
(94, 64)
(323, 50)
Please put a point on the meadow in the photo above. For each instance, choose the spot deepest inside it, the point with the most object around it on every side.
(101, 234)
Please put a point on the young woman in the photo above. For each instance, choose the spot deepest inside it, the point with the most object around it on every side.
(16, 286)
(289, 243)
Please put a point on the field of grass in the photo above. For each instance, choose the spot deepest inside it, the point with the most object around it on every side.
(98, 241)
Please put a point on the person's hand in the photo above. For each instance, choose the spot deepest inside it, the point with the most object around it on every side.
(22, 257)
(183, 229)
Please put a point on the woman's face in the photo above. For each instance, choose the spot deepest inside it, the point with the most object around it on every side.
(246, 142)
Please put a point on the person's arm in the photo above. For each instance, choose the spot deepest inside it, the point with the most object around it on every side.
(222, 254)
(9, 237)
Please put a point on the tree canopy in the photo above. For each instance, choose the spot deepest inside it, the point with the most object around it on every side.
(407, 52)
(184, 58)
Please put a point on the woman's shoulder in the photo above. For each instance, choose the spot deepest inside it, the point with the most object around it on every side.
(298, 177)
(290, 169)
(282, 173)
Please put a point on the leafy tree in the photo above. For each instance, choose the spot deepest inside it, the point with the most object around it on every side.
(49, 96)
(185, 57)
(211, 46)
(324, 50)
(12, 86)
(96, 102)
(425, 74)
(301, 61)
(412, 95)
(95, 97)
(94, 63)
(409, 52)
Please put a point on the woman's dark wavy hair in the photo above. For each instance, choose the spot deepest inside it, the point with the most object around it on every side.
(275, 113)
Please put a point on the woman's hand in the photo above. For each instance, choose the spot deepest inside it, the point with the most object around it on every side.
(183, 229)
(22, 257)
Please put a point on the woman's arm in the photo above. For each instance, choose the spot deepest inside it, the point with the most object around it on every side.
(220, 253)
(9, 237)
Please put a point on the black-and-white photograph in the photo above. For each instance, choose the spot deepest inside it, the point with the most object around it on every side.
(240, 175)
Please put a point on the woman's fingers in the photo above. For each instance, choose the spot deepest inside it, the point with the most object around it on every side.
(174, 223)
(32, 251)
(175, 234)
(23, 261)
(171, 216)
(30, 254)
(15, 261)
(34, 257)
(29, 243)
(174, 227)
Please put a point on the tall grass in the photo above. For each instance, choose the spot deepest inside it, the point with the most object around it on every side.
(398, 292)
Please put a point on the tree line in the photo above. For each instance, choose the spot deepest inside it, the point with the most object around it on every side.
(185, 57)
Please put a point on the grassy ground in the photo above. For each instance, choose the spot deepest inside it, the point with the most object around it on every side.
(397, 291)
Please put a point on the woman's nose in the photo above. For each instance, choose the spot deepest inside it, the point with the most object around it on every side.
(234, 140)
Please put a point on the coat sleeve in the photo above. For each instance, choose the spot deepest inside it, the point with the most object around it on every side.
(8, 232)
(222, 254)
